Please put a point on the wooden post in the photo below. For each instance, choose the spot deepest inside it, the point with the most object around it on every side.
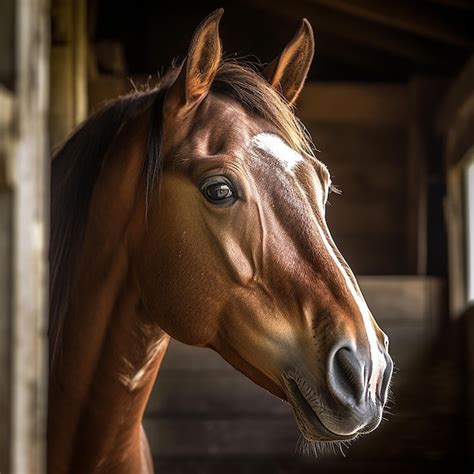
(29, 173)
(6, 114)
(417, 183)
(455, 121)
(7, 76)
(424, 96)
(68, 67)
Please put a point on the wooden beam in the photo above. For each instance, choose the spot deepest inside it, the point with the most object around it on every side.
(400, 298)
(467, 5)
(405, 16)
(363, 32)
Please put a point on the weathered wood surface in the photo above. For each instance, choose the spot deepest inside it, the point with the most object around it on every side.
(28, 173)
(362, 132)
(5, 325)
(338, 102)
(6, 228)
(455, 120)
(405, 298)
(69, 63)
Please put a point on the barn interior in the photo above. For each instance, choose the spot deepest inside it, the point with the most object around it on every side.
(389, 102)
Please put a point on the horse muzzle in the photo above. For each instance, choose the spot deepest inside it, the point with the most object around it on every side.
(349, 402)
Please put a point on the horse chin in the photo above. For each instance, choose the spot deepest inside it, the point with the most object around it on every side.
(308, 420)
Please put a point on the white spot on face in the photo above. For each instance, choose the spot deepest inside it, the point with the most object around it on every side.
(274, 146)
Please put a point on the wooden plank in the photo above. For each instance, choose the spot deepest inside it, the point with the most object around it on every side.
(405, 297)
(6, 244)
(406, 17)
(219, 436)
(377, 104)
(209, 393)
(5, 325)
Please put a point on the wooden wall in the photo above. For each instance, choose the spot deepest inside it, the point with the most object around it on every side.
(372, 139)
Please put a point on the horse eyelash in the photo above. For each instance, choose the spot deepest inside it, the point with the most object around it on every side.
(335, 189)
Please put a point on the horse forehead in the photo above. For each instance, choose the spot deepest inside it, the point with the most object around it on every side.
(223, 123)
(271, 145)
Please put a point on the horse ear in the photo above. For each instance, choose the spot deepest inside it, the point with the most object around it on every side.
(200, 66)
(287, 73)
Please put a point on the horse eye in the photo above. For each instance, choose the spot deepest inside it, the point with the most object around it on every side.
(218, 191)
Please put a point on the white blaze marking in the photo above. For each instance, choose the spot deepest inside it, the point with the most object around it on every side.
(273, 145)
(278, 149)
(376, 356)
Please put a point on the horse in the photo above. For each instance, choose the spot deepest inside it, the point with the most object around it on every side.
(195, 210)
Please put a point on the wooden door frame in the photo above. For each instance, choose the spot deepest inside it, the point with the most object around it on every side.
(24, 184)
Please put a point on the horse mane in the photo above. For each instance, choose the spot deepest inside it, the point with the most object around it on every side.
(77, 164)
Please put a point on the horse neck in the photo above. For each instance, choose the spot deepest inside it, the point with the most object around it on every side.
(110, 349)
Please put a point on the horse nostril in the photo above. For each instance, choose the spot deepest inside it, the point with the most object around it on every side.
(346, 377)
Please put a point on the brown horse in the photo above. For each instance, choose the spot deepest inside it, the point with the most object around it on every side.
(196, 211)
